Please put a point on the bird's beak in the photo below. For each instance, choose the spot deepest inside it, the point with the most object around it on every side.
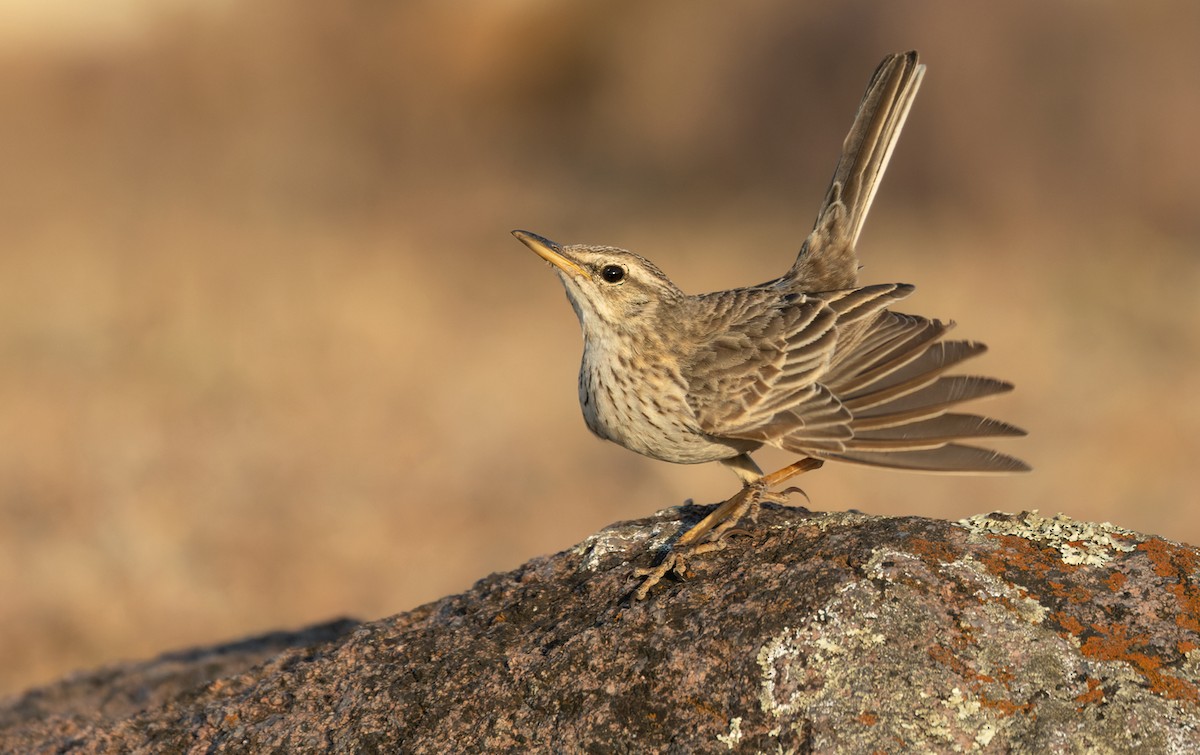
(549, 251)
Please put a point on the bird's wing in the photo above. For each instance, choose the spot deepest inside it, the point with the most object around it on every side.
(759, 373)
(838, 376)
(892, 380)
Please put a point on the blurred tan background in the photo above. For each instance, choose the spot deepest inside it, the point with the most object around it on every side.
(268, 354)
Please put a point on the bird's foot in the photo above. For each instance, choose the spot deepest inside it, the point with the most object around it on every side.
(709, 533)
(674, 561)
(706, 536)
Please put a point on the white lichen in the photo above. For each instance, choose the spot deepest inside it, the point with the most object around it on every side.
(1079, 543)
(617, 539)
(734, 736)
(986, 732)
(782, 646)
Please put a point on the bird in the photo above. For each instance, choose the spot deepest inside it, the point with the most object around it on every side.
(810, 362)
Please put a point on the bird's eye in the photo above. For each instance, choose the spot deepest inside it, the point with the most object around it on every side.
(612, 273)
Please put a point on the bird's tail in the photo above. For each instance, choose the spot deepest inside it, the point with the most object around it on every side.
(826, 261)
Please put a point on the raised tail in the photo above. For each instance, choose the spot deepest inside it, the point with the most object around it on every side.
(827, 261)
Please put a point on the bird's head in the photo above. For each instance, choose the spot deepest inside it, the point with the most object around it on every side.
(607, 286)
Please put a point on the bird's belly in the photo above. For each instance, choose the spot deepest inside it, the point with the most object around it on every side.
(649, 415)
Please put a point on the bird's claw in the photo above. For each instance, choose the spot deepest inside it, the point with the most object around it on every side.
(675, 562)
(672, 562)
(783, 496)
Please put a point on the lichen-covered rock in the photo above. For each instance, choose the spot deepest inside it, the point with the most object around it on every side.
(817, 632)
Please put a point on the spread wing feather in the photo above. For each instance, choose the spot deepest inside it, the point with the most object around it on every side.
(776, 389)
(836, 375)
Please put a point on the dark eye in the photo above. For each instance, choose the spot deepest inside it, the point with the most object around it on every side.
(612, 273)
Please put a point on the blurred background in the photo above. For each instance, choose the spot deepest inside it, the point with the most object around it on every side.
(268, 354)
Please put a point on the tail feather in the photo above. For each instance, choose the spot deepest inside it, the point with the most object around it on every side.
(950, 458)
(932, 424)
(826, 261)
(925, 391)
(869, 145)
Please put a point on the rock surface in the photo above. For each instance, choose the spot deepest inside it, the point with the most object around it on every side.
(817, 632)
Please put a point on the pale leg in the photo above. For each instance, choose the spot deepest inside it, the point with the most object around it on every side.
(723, 518)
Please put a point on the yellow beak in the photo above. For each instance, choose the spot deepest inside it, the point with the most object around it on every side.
(549, 251)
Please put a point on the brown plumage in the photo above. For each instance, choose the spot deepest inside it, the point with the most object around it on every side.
(808, 362)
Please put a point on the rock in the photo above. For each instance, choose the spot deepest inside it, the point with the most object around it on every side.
(116, 692)
(816, 632)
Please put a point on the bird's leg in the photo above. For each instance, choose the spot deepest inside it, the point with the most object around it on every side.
(746, 502)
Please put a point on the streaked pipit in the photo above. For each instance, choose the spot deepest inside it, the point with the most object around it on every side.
(808, 362)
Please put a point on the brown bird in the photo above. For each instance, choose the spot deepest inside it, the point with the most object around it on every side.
(808, 362)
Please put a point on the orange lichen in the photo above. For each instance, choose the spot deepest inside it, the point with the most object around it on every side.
(1017, 554)
(1169, 560)
(1116, 581)
(1094, 694)
(1178, 564)
(1072, 594)
(867, 718)
(951, 659)
(930, 551)
(1068, 622)
(1112, 643)
(979, 683)
(1007, 707)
